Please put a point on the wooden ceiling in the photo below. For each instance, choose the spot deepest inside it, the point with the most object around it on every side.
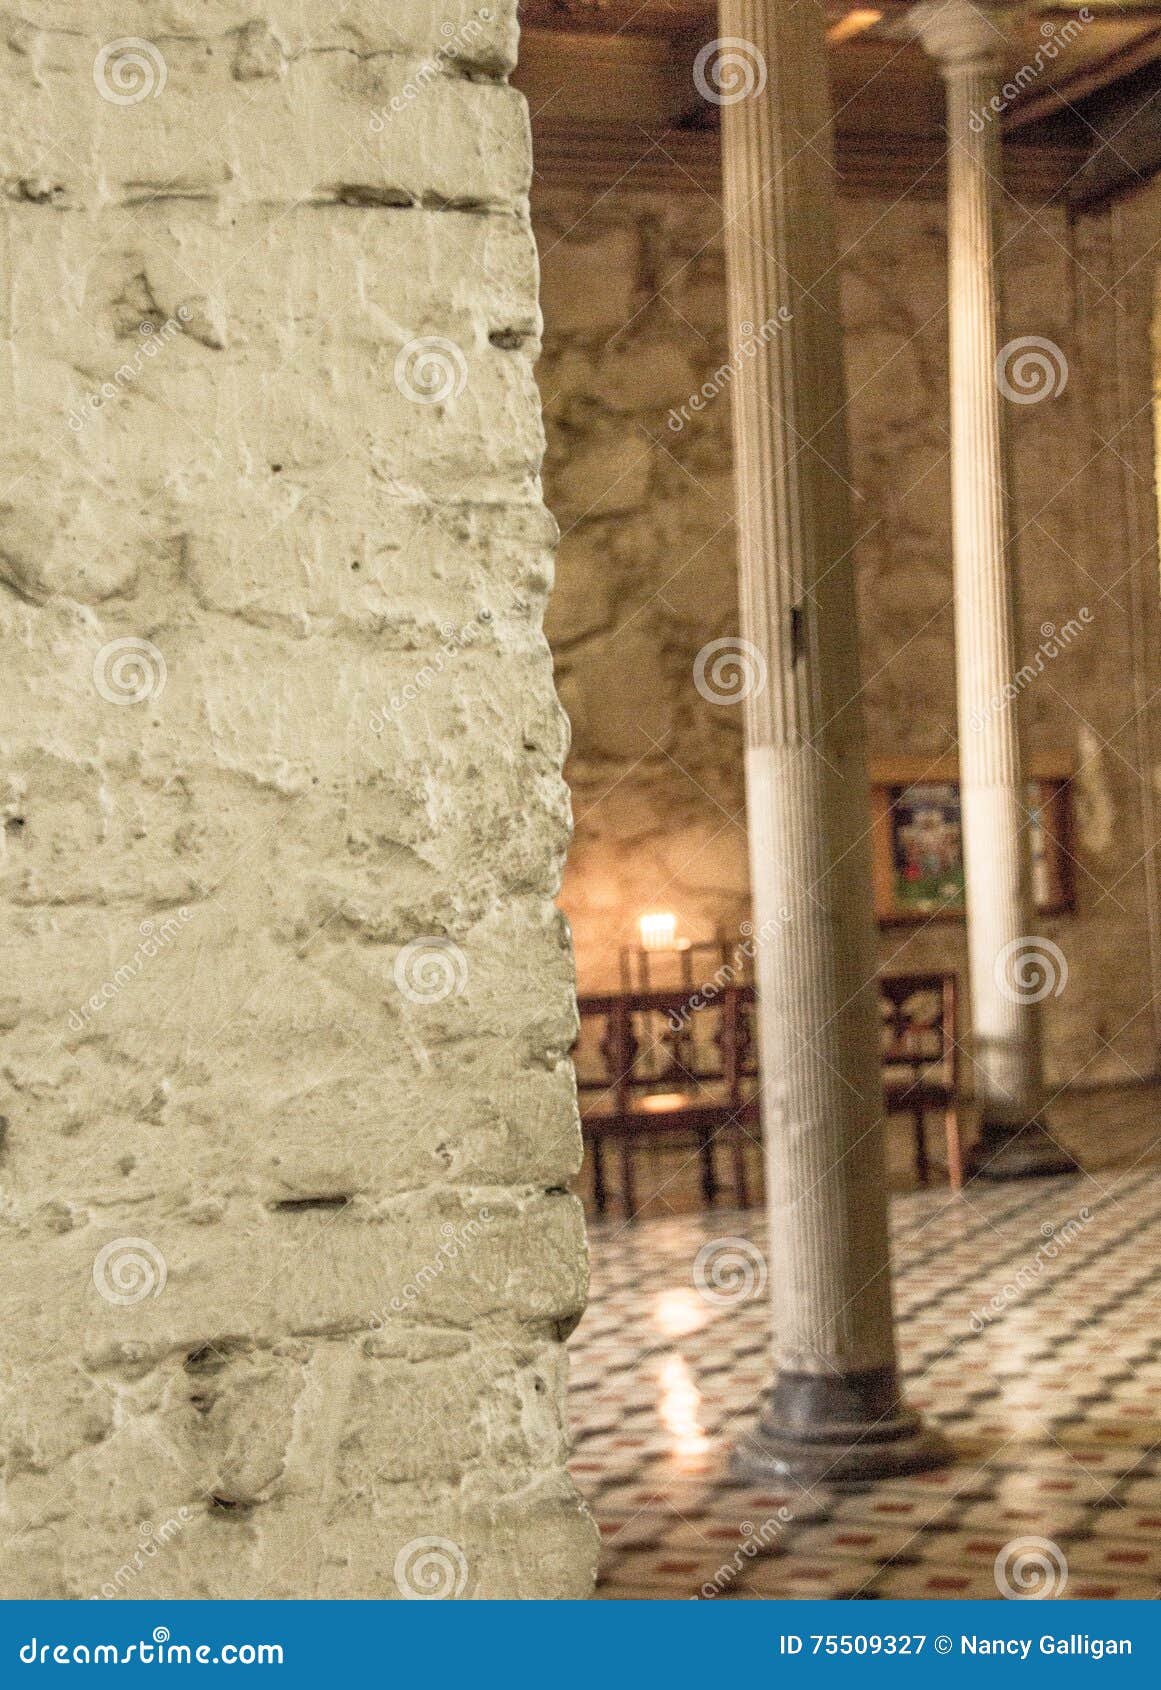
(610, 86)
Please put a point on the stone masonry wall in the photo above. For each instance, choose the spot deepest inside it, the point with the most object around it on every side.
(288, 1260)
(635, 324)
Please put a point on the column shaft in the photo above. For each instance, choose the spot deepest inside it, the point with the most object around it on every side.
(1006, 1044)
(806, 772)
(1007, 1068)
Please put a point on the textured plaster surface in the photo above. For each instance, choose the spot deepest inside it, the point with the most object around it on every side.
(634, 303)
(287, 1004)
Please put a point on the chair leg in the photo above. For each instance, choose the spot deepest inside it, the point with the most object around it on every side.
(922, 1165)
(954, 1149)
(628, 1181)
(741, 1189)
(600, 1191)
(705, 1151)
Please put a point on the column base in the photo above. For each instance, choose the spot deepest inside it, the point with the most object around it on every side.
(1004, 1151)
(823, 1429)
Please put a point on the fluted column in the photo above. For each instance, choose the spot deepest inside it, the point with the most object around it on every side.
(967, 44)
(834, 1408)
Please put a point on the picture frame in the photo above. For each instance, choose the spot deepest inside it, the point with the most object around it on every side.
(917, 839)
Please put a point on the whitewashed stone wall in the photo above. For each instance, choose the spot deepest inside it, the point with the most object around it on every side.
(288, 1259)
(635, 324)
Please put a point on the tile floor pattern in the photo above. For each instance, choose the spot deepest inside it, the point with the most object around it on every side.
(1030, 1332)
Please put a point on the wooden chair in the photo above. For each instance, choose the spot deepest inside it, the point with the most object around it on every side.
(650, 1068)
(921, 1061)
(680, 1067)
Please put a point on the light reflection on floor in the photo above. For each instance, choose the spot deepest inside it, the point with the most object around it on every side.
(679, 1311)
(678, 1407)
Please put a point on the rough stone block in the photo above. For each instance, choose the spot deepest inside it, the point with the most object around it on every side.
(288, 1257)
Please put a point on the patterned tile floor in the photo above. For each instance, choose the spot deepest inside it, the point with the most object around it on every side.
(1030, 1332)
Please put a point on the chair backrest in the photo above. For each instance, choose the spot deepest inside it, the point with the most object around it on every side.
(637, 1045)
(918, 1025)
(634, 1046)
(693, 965)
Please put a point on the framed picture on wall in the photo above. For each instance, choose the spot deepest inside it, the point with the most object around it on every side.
(918, 839)
(926, 848)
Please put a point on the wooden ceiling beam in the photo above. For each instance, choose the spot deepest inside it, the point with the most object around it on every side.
(654, 17)
(1126, 152)
(1067, 91)
(611, 90)
(599, 157)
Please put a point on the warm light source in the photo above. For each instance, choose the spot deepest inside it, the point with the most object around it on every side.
(658, 932)
(660, 1101)
(855, 22)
